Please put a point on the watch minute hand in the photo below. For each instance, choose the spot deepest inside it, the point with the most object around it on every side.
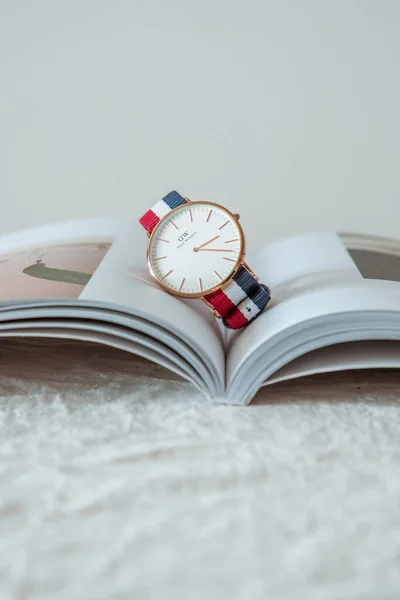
(197, 248)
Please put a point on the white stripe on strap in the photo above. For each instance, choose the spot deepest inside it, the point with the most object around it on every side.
(234, 292)
(248, 309)
(161, 208)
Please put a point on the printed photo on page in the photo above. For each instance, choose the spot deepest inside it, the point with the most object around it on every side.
(60, 270)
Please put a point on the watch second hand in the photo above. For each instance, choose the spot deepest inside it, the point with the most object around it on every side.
(197, 248)
(214, 250)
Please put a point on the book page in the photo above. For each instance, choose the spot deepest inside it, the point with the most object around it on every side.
(292, 268)
(104, 261)
(323, 294)
(375, 354)
(295, 269)
(123, 279)
(53, 261)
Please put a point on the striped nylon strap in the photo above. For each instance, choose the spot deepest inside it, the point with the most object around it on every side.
(238, 302)
(241, 300)
(160, 209)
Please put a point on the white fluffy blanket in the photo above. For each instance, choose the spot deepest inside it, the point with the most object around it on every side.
(118, 481)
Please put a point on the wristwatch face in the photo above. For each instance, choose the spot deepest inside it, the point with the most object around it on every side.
(195, 249)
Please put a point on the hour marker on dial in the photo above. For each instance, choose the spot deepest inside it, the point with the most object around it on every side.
(201, 285)
(218, 275)
(222, 226)
(230, 241)
(226, 258)
(172, 223)
(160, 258)
(182, 282)
(166, 274)
(191, 216)
(209, 215)
(162, 240)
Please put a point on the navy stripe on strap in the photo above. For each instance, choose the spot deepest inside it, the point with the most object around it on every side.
(173, 199)
(246, 281)
(260, 296)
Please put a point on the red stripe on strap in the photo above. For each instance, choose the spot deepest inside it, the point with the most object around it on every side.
(149, 220)
(236, 319)
(220, 302)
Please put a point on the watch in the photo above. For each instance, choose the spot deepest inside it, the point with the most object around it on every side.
(196, 249)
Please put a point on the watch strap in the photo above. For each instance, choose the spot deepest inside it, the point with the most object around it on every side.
(153, 216)
(241, 300)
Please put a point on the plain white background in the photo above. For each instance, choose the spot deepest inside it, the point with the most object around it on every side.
(287, 112)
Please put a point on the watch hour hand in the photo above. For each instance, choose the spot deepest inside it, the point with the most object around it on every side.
(214, 250)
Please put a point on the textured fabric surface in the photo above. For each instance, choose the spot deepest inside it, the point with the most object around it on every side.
(118, 481)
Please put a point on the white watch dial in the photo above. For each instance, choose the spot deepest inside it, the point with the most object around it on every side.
(195, 248)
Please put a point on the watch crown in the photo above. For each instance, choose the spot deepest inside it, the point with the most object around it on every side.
(237, 216)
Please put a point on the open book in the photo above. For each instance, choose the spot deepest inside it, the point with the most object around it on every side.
(335, 305)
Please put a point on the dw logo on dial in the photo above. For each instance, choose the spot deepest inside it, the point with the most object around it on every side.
(182, 237)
